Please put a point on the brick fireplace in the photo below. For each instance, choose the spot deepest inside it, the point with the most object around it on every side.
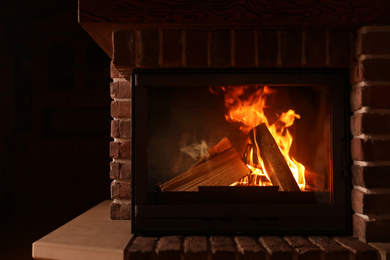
(359, 46)
(332, 48)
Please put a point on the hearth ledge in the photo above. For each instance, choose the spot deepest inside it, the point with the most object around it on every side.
(92, 235)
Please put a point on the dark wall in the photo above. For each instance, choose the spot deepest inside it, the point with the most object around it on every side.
(54, 109)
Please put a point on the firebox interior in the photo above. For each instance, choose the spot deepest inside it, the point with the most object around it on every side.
(183, 123)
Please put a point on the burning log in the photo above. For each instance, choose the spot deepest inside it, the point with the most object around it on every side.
(274, 162)
(221, 167)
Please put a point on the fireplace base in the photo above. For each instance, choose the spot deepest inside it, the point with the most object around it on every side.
(93, 235)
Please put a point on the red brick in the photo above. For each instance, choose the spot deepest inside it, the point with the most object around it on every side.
(114, 170)
(120, 171)
(148, 49)
(375, 69)
(114, 150)
(196, 48)
(357, 151)
(331, 249)
(315, 48)
(120, 210)
(339, 49)
(115, 187)
(125, 211)
(374, 43)
(370, 203)
(222, 248)
(370, 150)
(120, 150)
(125, 129)
(120, 89)
(172, 48)
(114, 128)
(114, 210)
(120, 190)
(359, 98)
(220, 48)
(249, 248)
(371, 231)
(375, 97)
(360, 228)
(303, 248)
(125, 150)
(356, 124)
(379, 97)
(357, 201)
(124, 89)
(370, 123)
(277, 248)
(195, 248)
(114, 88)
(142, 248)
(244, 48)
(360, 250)
(371, 176)
(268, 48)
(125, 170)
(169, 248)
(123, 48)
(291, 48)
(356, 73)
(121, 109)
(121, 129)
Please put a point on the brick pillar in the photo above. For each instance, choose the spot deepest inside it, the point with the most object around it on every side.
(370, 126)
(120, 147)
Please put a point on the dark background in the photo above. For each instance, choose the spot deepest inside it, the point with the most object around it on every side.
(55, 121)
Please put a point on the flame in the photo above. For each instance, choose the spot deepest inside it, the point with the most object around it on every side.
(248, 112)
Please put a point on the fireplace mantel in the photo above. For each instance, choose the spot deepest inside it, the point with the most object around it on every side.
(101, 17)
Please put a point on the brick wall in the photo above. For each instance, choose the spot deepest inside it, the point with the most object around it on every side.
(270, 49)
(370, 125)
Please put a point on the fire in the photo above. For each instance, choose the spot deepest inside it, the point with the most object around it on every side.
(248, 112)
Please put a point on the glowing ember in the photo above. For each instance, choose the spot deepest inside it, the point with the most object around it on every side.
(247, 109)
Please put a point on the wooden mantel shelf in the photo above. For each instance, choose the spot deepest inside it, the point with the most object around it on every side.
(100, 17)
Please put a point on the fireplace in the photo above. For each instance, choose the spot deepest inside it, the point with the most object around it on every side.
(239, 35)
(193, 130)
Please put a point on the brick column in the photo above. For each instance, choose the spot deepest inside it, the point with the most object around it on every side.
(120, 147)
(370, 126)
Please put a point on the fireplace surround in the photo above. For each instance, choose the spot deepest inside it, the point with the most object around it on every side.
(356, 40)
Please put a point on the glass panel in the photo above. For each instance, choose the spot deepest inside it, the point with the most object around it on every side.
(185, 122)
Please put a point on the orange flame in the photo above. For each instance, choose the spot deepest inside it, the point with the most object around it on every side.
(249, 112)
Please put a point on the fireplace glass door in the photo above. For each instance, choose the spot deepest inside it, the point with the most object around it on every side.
(240, 151)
